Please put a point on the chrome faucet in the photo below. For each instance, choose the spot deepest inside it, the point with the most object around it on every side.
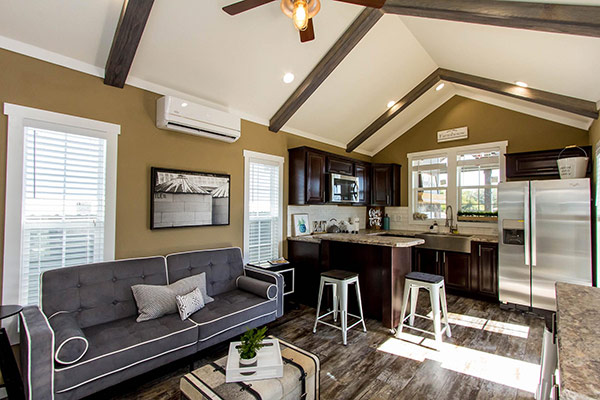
(450, 219)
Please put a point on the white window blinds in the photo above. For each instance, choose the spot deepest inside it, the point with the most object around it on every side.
(63, 210)
(263, 208)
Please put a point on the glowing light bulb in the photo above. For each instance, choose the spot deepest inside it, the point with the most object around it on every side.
(300, 15)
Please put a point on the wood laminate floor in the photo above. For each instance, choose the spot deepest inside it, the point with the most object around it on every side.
(492, 354)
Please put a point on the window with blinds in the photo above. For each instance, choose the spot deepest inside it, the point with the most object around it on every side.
(263, 208)
(478, 177)
(63, 210)
(430, 186)
(464, 178)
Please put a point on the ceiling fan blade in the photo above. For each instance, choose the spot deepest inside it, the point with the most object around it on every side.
(309, 33)
(366, 3)
(244, 5)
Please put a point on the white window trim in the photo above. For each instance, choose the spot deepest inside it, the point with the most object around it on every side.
(17, 116)
(452, 190)
(253, 155)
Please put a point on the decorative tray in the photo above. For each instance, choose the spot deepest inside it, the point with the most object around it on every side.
(269, 363)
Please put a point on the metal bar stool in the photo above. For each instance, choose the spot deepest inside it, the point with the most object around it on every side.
(340, 281)
(437, 292)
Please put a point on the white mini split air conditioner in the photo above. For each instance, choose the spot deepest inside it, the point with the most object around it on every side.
(183, 116)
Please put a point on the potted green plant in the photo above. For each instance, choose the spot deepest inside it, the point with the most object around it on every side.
(251, 342)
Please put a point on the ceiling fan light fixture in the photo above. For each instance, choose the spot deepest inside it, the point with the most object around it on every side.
(300, 11)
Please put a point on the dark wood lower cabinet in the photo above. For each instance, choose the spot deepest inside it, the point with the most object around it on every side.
(484, 271)
(457, 269)
(474, 274)
(304, 258)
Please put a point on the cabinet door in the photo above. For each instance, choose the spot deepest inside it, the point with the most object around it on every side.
(456, 268)
(304, 258)
(487, 268)
(381, 185)
(340, 166)
(427, 261)
(315, 177)
(362, 172)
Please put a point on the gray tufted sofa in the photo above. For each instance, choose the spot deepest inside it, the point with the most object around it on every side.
(99, 296)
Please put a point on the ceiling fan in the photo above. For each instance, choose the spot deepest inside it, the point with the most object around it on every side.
(300, 11)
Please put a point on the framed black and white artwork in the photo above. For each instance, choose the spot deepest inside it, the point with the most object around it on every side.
(188, 198)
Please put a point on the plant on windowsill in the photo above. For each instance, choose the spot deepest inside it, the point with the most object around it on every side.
(251, 343)
(477, 216)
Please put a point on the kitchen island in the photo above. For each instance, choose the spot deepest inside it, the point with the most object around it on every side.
(382, 262)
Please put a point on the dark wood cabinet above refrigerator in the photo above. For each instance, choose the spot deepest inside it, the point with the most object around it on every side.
(311, 169)
(534, 165)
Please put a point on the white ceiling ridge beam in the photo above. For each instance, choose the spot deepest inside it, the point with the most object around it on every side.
(311, 136)
(440, 101)
(525, 107)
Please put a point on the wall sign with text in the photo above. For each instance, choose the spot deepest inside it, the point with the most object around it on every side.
(453, 134)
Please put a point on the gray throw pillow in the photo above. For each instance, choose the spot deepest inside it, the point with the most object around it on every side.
(154, 301)
(186, 285)
(70, 344)
(189, 303)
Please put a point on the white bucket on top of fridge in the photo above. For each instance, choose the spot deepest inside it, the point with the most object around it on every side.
(572, 167)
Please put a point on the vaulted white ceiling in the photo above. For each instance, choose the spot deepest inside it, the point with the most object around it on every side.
(193, 49)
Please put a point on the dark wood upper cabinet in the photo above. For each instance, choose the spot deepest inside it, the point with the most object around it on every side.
(385, 184)
(337, 165)
(363, 172)
(310, 171)
(315, 178)
(541, 164)
(307, 176)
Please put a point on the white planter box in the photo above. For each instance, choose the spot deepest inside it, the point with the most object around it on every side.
(269, 363)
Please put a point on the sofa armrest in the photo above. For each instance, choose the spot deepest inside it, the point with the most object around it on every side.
(37, 354)
(267, 290)
(270, 277)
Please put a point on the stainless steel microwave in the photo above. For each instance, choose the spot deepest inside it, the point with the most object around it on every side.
(343, 189)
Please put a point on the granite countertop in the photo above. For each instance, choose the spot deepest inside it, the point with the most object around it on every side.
(370, 236)
(578, 336)
(363, 237)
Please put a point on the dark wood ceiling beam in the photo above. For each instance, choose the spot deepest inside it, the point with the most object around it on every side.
(344, 45)
(558, 18)
(129, 31)
(565, 103)
(394, 110)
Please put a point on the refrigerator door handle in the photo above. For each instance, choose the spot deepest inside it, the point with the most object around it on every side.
(533, 230)
(527, 233)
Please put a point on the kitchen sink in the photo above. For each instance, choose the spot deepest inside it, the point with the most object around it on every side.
(446, 242)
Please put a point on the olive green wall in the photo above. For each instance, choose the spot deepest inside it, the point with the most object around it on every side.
(34, 83)
(486, 123)
(595, 133)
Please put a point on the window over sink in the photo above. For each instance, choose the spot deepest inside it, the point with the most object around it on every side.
(465, 178)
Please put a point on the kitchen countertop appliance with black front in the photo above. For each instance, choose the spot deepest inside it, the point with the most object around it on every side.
(545, 237)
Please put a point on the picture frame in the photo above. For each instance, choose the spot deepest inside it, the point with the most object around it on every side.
(301, 224)
(180, 198)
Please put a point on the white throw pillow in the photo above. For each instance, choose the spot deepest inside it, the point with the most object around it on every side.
(189, 303)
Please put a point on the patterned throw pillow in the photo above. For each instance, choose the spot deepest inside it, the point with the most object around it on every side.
(189, 303)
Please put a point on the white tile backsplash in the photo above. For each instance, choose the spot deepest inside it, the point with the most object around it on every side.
(325, 213)
(399, 219)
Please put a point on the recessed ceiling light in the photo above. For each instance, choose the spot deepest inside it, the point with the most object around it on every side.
(288, 77)
(184, 104)
(440, 86)
(390, 103)
(522, 84)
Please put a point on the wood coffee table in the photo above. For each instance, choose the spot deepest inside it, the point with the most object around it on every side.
(300, 380)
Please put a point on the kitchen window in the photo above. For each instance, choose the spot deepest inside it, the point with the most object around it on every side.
(465, 178)
(61, 197)
(263, 206)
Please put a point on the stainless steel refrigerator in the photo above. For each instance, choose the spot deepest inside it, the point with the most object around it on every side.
(544, 237)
